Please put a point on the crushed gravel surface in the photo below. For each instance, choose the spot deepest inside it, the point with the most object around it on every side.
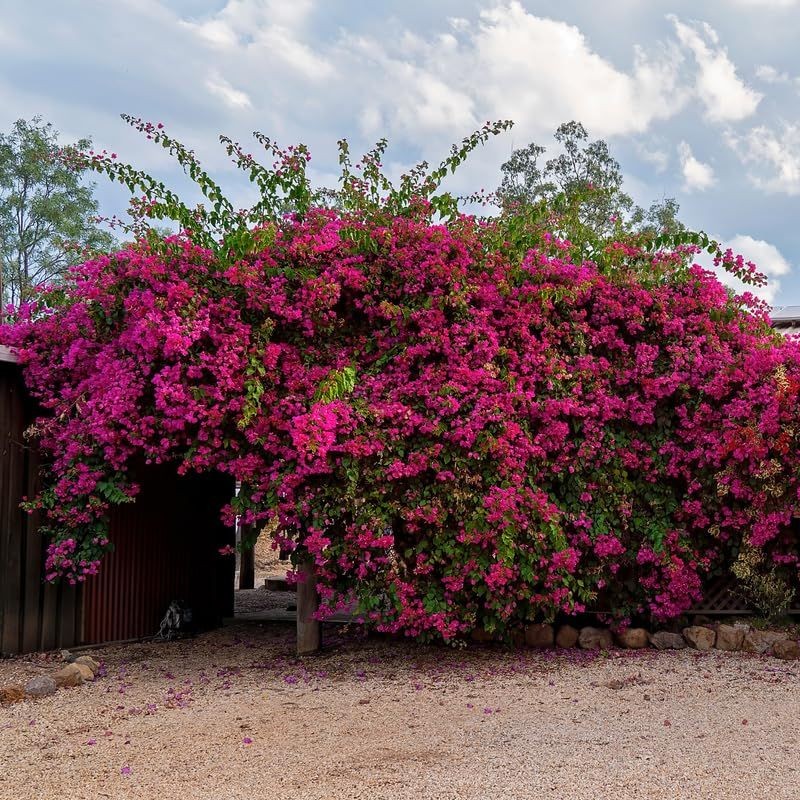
(234, 714)
(249, 601)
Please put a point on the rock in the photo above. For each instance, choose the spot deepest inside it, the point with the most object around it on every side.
(86, 672)
(89, 662)
(40, 686)
(71, 675)
(664, 640)
(567, 636)
(67, 656)
(540, 635)
(761, 641)
(632, 638)
(11, 694)
(787, 649)
(595, 639)
(699, 637)
(730, 637)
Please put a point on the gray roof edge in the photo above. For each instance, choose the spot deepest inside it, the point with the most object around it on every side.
(8, 354)
(785, 313)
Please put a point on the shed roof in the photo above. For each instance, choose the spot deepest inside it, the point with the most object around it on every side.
(786, 319)
(7, 354)
(785, 314)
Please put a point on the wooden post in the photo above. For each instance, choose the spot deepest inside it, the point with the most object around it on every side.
(308, 629)
(247, 562)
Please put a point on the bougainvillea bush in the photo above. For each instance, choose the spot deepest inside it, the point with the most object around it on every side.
(459, 422)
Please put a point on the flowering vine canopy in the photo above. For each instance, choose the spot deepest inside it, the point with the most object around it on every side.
(462, 421)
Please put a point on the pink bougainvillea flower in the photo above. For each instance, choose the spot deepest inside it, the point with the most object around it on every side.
(463, 424)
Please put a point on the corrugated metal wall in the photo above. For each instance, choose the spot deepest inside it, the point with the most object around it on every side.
(33, 615)
(165, 548)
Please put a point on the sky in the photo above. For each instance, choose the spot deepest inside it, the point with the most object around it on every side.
(697, 100)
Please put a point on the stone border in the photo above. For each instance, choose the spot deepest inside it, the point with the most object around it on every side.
(720, 636)
(76, 672)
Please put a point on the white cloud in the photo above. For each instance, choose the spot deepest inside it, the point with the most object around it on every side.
(239, 22)
(697, 176)
(458, 23)
(547, 68)
(510, 63)
(723, 93)
(767, 259)
(216, 32)
(764, 255)
(266, 29)
(769, 74)
(775, 153)
(767, 3)
(420, 100)
(656, 156)
(296, 54)
(233, 97)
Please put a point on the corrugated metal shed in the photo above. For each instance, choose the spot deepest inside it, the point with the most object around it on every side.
(166, 548)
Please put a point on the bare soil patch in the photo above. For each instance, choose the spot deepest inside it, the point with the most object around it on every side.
(234, 714)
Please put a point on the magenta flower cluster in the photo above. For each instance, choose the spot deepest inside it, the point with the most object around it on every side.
(518, 440)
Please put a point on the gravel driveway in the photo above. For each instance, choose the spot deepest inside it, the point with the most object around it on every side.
(233, 714)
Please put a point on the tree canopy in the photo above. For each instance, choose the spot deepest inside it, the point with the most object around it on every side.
(586, 178)
(46, 211)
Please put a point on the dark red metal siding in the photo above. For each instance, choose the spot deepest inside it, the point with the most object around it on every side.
(165, 548)
(33, 615)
